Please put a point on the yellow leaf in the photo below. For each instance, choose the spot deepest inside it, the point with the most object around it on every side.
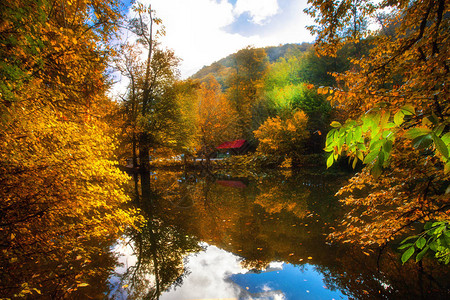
(82, 284)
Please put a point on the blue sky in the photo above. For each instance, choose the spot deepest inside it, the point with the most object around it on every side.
(203, 31)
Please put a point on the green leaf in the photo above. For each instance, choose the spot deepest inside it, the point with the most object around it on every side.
(330, 135)
(408, 110)
(433, 119)
(376, 170)
(440, 146)
(446, 138)
(433, 245)
(407, 254)
(387, 147)
(335, 124)
(438, 130)
(422, 142)
(349, 138)
(416, 132)
(358, 134)
(330, 160)
(375, 145)
(398, 118)
(408, 238)
(361, 147)
(422, 253)
(426, 122)
(360, 155)
(367, 122)
(437, 223)
(390, 125)
(341, 142)
(387, 134)
(371, 156)
(405, 246)
(420, 243)
(380, 158)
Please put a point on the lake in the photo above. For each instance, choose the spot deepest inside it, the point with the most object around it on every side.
(235, 235)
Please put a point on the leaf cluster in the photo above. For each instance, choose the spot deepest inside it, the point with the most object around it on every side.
(396, 117)
(435, 237)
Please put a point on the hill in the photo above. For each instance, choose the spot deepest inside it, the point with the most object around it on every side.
(220, 68)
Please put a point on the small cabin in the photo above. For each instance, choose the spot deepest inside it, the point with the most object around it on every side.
(237, 147)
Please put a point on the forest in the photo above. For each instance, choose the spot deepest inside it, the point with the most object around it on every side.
(374, 103)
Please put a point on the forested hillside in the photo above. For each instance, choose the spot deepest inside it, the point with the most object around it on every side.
(271, 91)
(217, 69)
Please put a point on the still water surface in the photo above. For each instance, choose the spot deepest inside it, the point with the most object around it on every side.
(258, 236)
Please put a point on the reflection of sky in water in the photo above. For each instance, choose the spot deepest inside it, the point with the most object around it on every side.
(126, 259)
(292, 282)
(216, 273)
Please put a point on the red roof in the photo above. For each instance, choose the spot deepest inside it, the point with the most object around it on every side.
(232, 183)
(231, 144)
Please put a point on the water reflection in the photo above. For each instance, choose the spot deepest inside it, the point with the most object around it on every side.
(251, 223)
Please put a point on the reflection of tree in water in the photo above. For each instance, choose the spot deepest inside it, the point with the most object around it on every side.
(279, 219)
(360, 277)
(159, 247)
(277, 196)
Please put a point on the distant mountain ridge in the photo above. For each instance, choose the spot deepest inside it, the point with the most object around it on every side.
(218, 68)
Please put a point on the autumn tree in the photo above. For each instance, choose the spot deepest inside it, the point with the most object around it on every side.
(155, 106)
(217, 120)
(130, 66)
(186, 93)
(286, 89)
(245, 84)
(399, 109)
(283, 136)
(59, 187)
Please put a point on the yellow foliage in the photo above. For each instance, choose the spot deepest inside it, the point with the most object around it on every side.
(405, 71)
(217, 120)
(283, 137)
(60, 188)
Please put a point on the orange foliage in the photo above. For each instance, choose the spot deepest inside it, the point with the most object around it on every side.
(403, 84)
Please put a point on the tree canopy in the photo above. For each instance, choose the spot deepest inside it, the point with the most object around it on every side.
(398, 118)
(59, 187)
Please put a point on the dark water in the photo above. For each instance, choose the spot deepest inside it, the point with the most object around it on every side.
(255, 236)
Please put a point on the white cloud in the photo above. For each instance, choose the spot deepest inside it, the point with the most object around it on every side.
(259, 10)
(195, 29)
(207, 280)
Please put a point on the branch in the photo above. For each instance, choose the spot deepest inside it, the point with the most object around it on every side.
(423, 25)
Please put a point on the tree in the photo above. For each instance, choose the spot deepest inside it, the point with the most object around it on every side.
(245, 84)
(59, 188)
(399, 109)
(186, 92)
(157, 113)
(283, 136)
(286, 90)
(129, 64)
(217, 120)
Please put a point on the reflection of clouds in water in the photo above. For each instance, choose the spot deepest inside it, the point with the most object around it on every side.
(126, 259)
(209, 279)
(125, 254)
